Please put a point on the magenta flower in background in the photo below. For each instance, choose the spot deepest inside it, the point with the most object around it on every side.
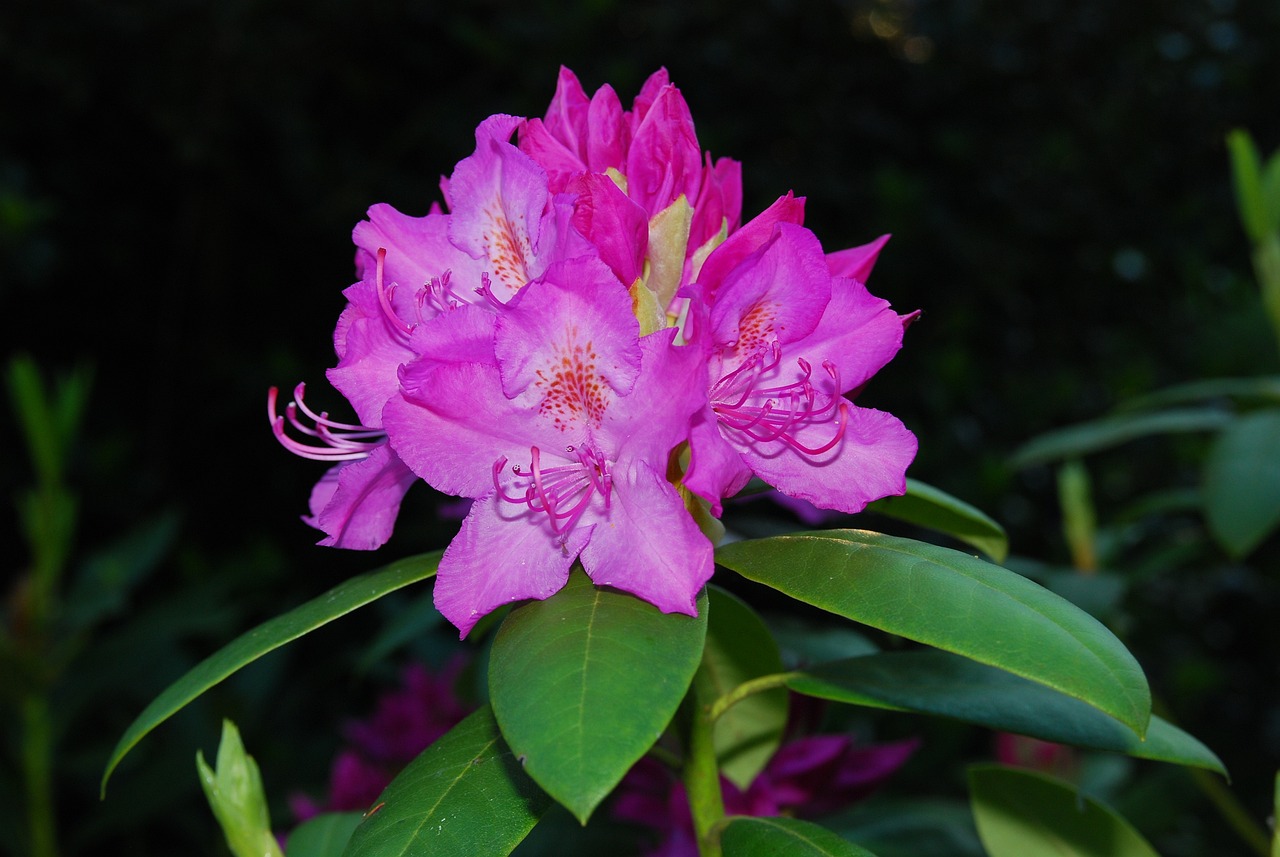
(807, 777)
(404, 722)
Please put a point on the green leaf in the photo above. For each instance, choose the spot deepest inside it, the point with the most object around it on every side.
(1024, 812)
(583, 684)
(1263, 388)
(269, 636)
(745, 836)
(946, 685)
(237, 798)
(1246, 175)
(910, 827)
(935, 509)
(1271, 192)
(740, 648)
(1242, 482)
(955, 602)
(464, 796)
(323, 836)
(101, 587)
(1084, 438)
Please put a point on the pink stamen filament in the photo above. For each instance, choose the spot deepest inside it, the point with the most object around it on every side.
(563, 492)
(338, 441)
(786, 408)
(385, 294)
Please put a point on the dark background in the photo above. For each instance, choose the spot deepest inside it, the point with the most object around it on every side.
(178, 182)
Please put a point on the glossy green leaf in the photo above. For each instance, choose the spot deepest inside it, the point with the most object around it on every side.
(1242, 482)
(739, 648)
(464, 796)
(323, 836)
(955, 602)
(935, 509)
(946, 685)
(251, 645)
(746, 836)
(1021, 812)
(583, 684)
(1084, 438)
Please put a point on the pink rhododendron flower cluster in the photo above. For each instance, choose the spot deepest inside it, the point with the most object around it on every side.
(591, 345)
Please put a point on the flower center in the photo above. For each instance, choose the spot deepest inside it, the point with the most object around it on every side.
(768, 414)
(330, 440)
(563, 492)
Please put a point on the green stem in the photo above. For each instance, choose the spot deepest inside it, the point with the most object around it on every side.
(1232, 812)
(748, 688)
(37, 762)
(702, 775)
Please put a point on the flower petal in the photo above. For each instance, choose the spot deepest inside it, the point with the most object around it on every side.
(566, 339)
(647, 543)
(356, 502)
(856, 262)
(868, 463)
(502, 553)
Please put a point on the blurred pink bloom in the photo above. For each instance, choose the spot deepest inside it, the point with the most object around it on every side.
(405, 721)
(807, 777)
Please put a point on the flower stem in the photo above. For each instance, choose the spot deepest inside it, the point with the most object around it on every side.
(701, 772)
(37, 759)
(748, 688)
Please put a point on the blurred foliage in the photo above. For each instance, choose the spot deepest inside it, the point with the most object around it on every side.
(178, 182)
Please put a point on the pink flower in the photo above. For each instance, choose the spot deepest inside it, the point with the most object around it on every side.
(785, 341)
(562, 437)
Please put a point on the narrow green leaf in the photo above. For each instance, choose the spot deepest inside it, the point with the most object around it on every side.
(931, 507)
(1242, 482)
(740, 648)
(583, 684)
(1263, 388)
(464, 796)
(325, 835)
(1246, 174)
(746, 836)
(946, 685)
(1096, 435)
(1271, 192)
(1024, 812)
(271, 635)
(955, 602)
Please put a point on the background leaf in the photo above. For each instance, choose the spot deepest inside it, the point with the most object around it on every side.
(250, 646)
(1020, 813)
(912, 827)
(938, 683)
(464, 796)
(935, 509)
(744, 836)
(1242, 482)
(1096, 435)
(323, 836)
(739, 648)
(1246, 172)
(584, 682)
(954, 602)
